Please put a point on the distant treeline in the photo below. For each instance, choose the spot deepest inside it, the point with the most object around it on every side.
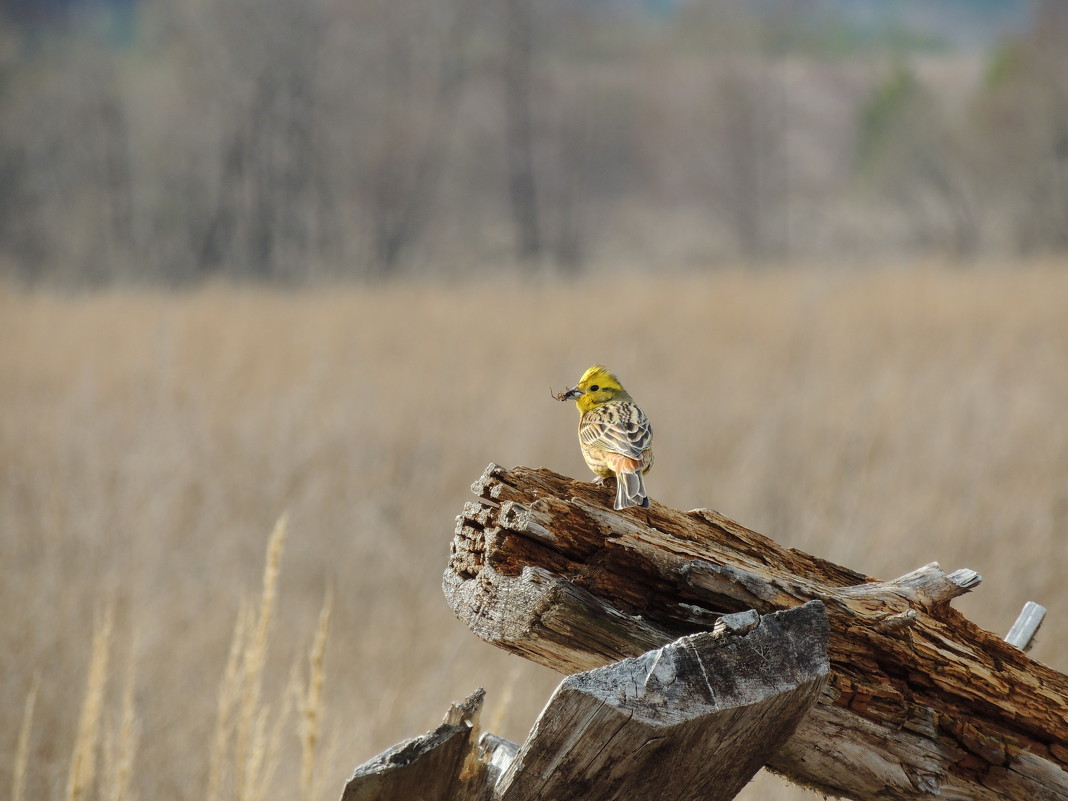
(316, 140)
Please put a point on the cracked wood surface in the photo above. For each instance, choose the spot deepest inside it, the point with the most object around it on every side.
(921, 702)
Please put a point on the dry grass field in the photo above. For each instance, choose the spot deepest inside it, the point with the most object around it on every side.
(149, 442)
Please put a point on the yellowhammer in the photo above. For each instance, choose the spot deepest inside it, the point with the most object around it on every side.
(614, 434)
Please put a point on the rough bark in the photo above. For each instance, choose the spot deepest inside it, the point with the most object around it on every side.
(921, 702)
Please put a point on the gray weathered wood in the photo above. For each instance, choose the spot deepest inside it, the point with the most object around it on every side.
(692, 720)
(1023, 631)
(438, 766)
(920, 701)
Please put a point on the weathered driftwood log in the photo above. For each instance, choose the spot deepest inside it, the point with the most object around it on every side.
(691, 721)
(921, 702)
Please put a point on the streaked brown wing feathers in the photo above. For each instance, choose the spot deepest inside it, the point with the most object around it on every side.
(617, 427)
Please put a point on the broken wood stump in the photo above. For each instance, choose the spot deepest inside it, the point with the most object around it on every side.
(920, 702)
(438, 766)
(691, 721)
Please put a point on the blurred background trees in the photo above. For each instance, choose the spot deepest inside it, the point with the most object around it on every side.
(156, 142)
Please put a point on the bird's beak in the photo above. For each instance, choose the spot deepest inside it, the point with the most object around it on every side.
(572, 393)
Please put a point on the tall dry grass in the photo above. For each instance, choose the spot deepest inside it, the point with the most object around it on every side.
(83, 762)
(310, 697)
(22, 750)
(149, 441)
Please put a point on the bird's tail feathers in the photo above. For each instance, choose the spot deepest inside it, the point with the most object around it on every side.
(630, 490)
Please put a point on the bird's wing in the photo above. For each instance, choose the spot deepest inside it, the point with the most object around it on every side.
(618, 427)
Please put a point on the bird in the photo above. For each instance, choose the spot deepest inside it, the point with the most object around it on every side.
(614, 434)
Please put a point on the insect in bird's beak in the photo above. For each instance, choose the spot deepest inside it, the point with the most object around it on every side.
(570, 394)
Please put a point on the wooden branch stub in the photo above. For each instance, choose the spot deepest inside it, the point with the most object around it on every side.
(1023, 631)
(437, 766)
(920, 700)
(692, 720)
(738, 623)
(926, 587)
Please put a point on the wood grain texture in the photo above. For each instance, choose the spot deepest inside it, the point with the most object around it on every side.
(921, 702)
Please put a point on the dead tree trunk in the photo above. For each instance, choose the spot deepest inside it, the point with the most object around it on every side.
(921, 702)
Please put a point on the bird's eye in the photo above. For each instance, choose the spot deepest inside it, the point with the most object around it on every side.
(594, 388)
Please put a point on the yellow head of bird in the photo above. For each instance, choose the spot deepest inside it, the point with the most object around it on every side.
(598, 385)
